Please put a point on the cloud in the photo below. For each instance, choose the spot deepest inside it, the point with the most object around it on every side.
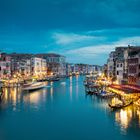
(100, 52)
(105, 49)
(92, 51)
(69, 38)
(69, 41)
(84, 46)
(128, 41)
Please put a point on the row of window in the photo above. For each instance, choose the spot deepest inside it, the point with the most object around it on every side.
(119, 65)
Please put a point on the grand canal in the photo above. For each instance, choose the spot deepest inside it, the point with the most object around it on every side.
(62, 111)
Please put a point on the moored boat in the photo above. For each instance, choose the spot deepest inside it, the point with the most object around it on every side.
(54, 79)
(119, 105)
(116, 103)
(1, 94)
(105, 94)
(27, 84)
(33, 86)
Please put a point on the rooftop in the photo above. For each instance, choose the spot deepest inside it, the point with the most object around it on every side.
(49, 55)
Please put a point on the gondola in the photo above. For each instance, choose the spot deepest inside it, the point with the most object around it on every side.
(118, 106)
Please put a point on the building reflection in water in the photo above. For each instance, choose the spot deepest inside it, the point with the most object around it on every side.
(34, 97)
(77, 86)
(126, 117)
(13, 96)
(71, 88)
(138, 114)
(51, 92)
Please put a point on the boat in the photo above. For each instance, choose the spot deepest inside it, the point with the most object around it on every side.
(91, 91)
(105, 94)
(85, 83)
(42, 80)
(27, 84)
(33, 86)
(63, 83)
(119, 104)
(54, 79)
(1, 94)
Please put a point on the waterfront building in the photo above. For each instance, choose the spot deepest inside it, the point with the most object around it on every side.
(27, 65)
(38, 67)
(72, 68)
(105, 70)
(134, 66)
(90, 69)
(68, 69)
(80, 68)
(119, 71)
(98, 69)
(21, 65)
(86, 69)
(56, 63)
(5, 66)
(77, 68)
(117, 65)
(123, 65)
(111, 65)
(120, 64)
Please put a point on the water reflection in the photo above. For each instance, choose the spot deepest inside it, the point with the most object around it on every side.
(124, 119)
(71, 85)
(77, 86)
(138, 114)
(12, 94)
(67, 100)
(33, 97)
(127, 118)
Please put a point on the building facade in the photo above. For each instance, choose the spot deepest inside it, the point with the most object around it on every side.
(56, 63)
(21, 65)
(134, 66)
(5, 66)
(111, 65)
(123, 65)
(38, 67)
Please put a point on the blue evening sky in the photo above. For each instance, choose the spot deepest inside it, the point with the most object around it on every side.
(82, 30)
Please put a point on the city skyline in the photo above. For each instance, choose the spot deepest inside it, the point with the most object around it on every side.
(85, 32)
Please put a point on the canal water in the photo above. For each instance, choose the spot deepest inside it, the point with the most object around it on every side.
(62, 111)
